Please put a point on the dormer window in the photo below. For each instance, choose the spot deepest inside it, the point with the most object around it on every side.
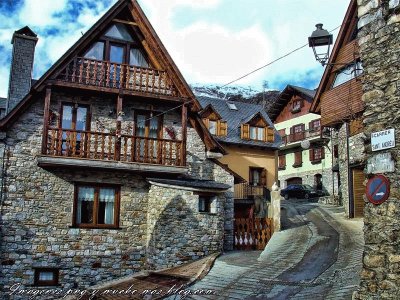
(257, 133)
(213, 121)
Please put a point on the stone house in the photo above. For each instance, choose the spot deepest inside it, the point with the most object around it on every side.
(106, 165)
(305, 156)
(379, 39)
(338, 100)
(251, 142)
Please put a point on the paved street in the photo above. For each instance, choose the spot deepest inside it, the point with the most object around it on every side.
(317, 255)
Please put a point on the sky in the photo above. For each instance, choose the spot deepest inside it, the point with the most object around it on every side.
(211, 41)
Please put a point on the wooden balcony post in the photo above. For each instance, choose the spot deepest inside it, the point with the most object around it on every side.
(117, 150)
(46, 120)
(184, 134)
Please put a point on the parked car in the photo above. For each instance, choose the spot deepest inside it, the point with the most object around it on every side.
(303, 191)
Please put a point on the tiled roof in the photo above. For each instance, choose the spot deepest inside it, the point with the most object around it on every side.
(285, 96)
(192, 183)
(235, 118)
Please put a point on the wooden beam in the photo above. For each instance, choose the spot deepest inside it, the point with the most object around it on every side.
(117, 152)
(46, 119)
(125, 22)
(184, 134)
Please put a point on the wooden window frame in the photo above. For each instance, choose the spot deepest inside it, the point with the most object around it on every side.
(297, 136)
(75, 106)
(321, 156)
(282, 162)
(147, 114)
(312, 126)
(297, 104)
(127, 46)
(38, 282)
(298, 159)
(262, 176)
(97, 187)
(264, 129)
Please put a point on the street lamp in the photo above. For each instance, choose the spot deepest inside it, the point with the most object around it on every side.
(321, 38)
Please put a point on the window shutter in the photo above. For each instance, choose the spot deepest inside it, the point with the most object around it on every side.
(311, 154)
(303, 129)
(311, 126)
(270, 134)
(322, 152)
(206, 122)
(222, 128)
(245, 131)
(264, 177)
(301, 103)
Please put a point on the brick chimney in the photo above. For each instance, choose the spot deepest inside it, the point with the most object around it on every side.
(24, 42)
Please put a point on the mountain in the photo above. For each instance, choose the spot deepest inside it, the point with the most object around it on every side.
(237, 93)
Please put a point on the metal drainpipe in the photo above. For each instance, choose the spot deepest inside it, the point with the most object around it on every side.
(349, 189)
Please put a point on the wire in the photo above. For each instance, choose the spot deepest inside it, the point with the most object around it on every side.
(241, 77)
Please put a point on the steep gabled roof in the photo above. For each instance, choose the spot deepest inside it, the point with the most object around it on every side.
(346, 26)
(285, 96)
(235, 118)
(154, 45)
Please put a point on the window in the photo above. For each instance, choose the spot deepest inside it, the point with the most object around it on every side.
(118, 46)
(232, 106)
(347, 73)
(315, 125)
(96, 206)
(317, 154)
(257, 133)
(297, 133)
(46, 277)
(298, 159)
(74, 117)
(296, 105)
(207, 203)
(212, 127)
(257, 176)
(336, 151)
(282, 162)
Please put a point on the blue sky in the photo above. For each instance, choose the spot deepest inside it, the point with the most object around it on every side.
(211, 41)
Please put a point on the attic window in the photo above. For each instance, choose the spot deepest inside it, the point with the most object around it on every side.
(119, 31)
(231, 106)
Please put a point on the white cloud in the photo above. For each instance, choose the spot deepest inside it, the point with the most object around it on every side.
(41, 13)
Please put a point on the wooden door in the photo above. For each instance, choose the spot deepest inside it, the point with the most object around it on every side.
(358, 192)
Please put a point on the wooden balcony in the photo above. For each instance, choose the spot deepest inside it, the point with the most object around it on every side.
(247, 191)
(104, 74)
(300, 136)
(101, 146)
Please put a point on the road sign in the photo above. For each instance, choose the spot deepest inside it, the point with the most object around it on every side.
(378, 189)
(382, 140)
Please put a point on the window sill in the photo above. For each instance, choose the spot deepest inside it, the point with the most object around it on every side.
(95, 227)
(295, 111)
(317, 161)
(207, 213)
(282, 168)
(297, 165)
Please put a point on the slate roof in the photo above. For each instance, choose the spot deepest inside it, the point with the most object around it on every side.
(192, 183)
(3, 102)
(235, 118)
(285, 96)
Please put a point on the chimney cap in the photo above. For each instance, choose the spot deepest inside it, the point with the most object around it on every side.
(24, 32)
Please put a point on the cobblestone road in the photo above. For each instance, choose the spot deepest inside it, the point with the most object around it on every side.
(317, 255)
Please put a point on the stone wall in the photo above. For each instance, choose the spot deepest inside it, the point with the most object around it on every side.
(379, 39)
(36, 218)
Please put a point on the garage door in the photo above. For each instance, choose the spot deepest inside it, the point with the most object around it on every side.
(358, 192)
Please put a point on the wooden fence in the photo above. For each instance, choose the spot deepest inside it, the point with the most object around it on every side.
(252, 234)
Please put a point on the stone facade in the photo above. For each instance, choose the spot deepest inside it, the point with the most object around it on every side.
(379, 39)
(158, 227)
(356, 157)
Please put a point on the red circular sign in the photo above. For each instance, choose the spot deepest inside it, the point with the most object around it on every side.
(377, 189)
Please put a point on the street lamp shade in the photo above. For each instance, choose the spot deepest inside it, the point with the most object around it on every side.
(320, 38)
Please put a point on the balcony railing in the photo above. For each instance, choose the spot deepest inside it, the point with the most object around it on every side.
(246, 191)
(119, 76)
(302, 135)
(113, 147)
